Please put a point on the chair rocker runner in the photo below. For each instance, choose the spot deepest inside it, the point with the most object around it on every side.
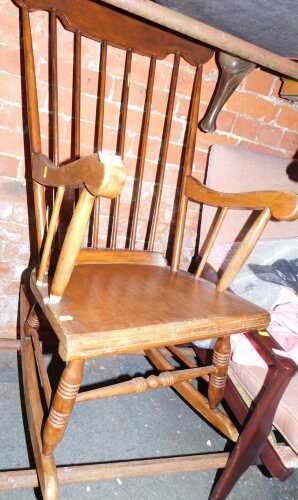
(90, 295)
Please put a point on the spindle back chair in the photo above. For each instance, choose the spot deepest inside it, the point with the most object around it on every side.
(90, 295)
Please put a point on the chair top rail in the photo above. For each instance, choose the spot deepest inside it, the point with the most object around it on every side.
(101, 22)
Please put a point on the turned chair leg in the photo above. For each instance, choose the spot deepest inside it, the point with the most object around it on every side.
(217, 382)
(62, 405)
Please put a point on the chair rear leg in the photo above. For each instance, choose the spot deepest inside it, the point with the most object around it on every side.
(62, 405)
(45, 466)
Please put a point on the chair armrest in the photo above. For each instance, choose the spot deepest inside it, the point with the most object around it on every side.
(100, 178)
(283, 205)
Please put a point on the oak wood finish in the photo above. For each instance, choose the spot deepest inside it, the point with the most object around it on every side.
(112, 301)
(142, 154)
(282, 204)
(83, 15)
(62, 405)
(45, 466)
(94, 256)
(72, 243)
(217, 380)
(140, 384)
(72, 474)
(187, 161)
(175, 309)
(244, 250)
(195, 398)
(43, 374)
(121, 139)
(99, 130)
(289, 89)
(101, 179)
(163, 153)
(210, 241)
(33, 123)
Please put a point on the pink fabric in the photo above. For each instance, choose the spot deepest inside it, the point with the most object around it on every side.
(283, 328)
(236, 169)
(284, 325)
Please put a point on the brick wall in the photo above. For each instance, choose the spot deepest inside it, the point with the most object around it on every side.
(254, 117)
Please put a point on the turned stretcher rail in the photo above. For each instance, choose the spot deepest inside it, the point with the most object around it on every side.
(140, 384)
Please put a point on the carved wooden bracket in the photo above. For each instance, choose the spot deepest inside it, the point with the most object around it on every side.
(232, 70)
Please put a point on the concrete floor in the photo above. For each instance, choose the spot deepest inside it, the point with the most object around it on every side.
(148, 425)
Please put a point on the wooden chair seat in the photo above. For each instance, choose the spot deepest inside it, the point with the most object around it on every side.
(117, 308)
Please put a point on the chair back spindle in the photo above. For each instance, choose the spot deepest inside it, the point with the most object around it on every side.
(163, 153)
(99, 131)
(142, 155)
(121, 140)
(188, 156)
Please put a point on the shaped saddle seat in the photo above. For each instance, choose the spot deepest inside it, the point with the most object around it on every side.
(108, 308)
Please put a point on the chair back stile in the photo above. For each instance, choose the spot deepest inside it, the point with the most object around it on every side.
(33, 124)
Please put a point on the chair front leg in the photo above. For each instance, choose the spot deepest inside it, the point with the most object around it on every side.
(62, 405)
(217, 382)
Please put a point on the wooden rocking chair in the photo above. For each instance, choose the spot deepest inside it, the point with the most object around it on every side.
(89, 295)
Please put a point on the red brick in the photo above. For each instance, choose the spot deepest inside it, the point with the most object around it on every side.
(139, 69)
(204, 141)
(11, 117)
(185, 82)
(9, 29)
(157, 124)
(259, 81)
(163, 74)
(288, 117)
(210, 71)
(260, 148)
(8, 166)
(89, 83)
(171, 175)
(225, 121)
(12, 143)
(245, 128)
(137, 93)
(115, 61)
(182, 107)
(200, 161)
(253, 106)
(271, 136)
(90, 54)
(10, 59)
(207, 90)
(174, 154)
(10, 88)
(290, 142)
(159, 101)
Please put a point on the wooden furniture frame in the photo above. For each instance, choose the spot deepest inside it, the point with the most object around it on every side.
(205, 311)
